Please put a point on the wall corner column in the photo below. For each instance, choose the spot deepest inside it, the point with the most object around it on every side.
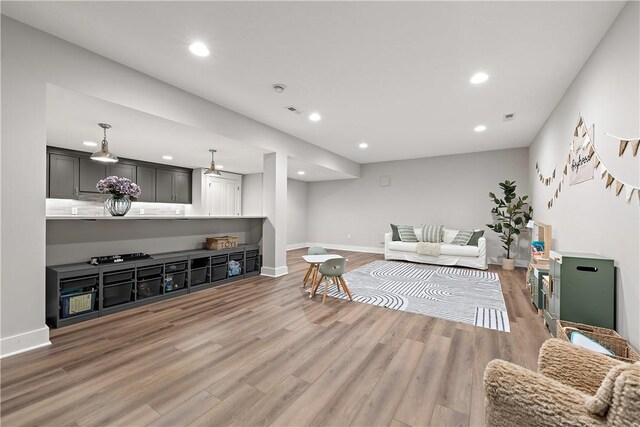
(274, 202)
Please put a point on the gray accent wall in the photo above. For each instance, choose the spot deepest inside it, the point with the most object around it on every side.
(448, 190)
(587, 217)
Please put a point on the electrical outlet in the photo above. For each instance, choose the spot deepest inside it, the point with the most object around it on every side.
(74, 211)
(141, 211)
(177, 211)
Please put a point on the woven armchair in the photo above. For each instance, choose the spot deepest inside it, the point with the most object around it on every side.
(574, 387)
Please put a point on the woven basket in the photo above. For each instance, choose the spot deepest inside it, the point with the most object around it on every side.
(222, 242)
(606, 337)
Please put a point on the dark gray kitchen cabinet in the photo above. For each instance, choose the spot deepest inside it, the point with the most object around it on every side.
(64, 176)
(123, 170)
(182, 187)
(146, 180)
(91, 172)
(173, 186)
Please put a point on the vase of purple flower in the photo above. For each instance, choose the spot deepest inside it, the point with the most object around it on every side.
(120, 189)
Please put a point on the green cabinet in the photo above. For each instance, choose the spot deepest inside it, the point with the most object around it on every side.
(535, 286)
(581, 289)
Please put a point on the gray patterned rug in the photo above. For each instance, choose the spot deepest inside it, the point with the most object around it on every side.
(460, 295)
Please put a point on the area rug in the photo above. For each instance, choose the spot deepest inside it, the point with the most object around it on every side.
(461, 295)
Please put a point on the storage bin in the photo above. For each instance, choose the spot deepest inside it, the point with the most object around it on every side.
(79, 282)
(199, 263)
(76, 302)
(236, 256)
(218, 272)
(116, 294)
(252, 253)
(199, 276)
(154, 270)
(176, 266)
(174, 281)
(223, 242)
(149, 287)
(117, 277)
(604, 336)
(217, 260)
(252, 264)
(235, 268)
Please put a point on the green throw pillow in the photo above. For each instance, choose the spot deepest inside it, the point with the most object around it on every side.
(407, 234)
(473, 241)
(395, 236)
(462, 238)
(432, 233)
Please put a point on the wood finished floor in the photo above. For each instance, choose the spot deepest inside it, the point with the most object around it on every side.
(260, 352)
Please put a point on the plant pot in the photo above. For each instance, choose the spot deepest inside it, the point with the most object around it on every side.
(508, 264)
(118, 205)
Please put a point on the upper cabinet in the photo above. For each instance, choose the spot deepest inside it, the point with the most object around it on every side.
(73, 174)
(224, 195)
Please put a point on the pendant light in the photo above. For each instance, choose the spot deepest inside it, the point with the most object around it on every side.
(104, 155)
(212, 171)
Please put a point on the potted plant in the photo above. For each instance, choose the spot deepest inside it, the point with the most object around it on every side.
(119, 188)
(511, 214)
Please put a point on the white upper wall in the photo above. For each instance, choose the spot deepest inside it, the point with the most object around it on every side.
(587, 217)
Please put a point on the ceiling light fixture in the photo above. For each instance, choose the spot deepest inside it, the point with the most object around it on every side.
(90, 143)
(300, 172)
(480, 128)
(167, 157)
(363, 145)
(220, 166)
(212, 171)
(104, 155)
(199, 49)
(279, 88)
(315, 117)
(479, 77)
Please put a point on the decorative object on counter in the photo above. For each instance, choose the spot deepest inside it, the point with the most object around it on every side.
(212, 169)
(119, 188)
(222, 242)
(104, 155)
(512, 213)
(113, 259)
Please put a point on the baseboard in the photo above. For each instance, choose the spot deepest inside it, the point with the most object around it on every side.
(497, 261)
(26, 341)
(295, 246)
(367, 249)
(274, 272)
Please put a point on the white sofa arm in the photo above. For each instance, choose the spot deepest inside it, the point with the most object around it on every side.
(482, 249)
(387, 240)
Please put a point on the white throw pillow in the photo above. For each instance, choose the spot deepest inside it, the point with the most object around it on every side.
(449, 235)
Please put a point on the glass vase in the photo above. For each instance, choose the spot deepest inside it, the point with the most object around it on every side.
(118, 205)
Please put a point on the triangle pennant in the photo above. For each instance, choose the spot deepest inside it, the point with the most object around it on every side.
(565, 170)
(553, 175)
(597, 165)
(610, 180)
(560, 187)
(556, 196)
(619, 187)
(537, 167)
(629, 193)
(623, 146)
(604, 172)
(591, 151)
(635, 145)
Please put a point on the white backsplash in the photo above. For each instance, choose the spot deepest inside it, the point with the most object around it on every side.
(96, 208)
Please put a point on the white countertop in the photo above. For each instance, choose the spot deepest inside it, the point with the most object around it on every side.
(147, 217)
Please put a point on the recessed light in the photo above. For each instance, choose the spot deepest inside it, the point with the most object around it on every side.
(220, 166)
(199, 49)
(480, 128)
(479, 77)
(90, 143)
(167, 157)
(315, 117)
(279, 88)
(300, 172)
(363, 145)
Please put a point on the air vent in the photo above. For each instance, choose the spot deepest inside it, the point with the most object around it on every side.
(293, 109)
(509, 116)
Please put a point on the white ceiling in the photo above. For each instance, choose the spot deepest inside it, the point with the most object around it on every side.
(394, 74)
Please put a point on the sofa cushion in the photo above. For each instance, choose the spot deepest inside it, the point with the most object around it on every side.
(448, 235)
(462, 238)
(407, 234)
(445, 249)
(477, 234)
(432, 233)
(403, 246)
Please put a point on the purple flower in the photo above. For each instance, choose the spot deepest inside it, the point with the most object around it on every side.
(119, 187)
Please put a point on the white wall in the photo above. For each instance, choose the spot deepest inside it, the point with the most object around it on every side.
(25, 74)
(449, 190)
(297, 213)
(587, 217)
(252, 194)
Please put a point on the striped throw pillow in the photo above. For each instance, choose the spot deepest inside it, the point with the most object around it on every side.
(407, 234)
(462, 238)
(432, 233)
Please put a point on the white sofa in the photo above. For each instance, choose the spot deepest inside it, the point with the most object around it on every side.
(464, 256)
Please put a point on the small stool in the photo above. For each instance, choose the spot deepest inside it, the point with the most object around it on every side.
(331, 270)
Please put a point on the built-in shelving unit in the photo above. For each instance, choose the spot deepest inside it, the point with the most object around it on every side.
(79, 292)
